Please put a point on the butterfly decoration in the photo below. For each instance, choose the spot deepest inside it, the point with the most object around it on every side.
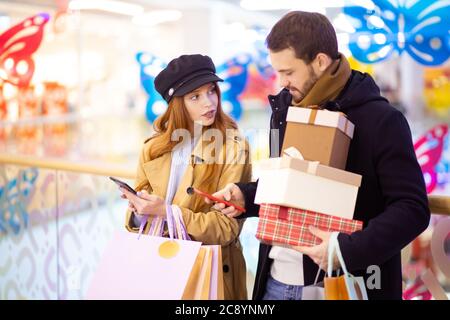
(260, 55)
(443, 167)
(417, 291)
(234, 71)
(150, 66)
(429, 151)
(261, 80)
(17, 45)
(419, 27)
(15, 195)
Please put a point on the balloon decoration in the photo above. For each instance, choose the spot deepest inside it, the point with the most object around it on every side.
(17, 45)
(261, 79)
(150, 66)
(356, 65)
(437, 90)
(245, 77)
(419, 27)
(429, 150)
(235, 73)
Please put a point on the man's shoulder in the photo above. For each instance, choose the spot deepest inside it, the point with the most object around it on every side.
(373, 111)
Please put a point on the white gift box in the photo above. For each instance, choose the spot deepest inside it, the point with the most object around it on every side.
(307, 185)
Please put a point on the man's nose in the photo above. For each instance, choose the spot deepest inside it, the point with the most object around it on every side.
(284, 82)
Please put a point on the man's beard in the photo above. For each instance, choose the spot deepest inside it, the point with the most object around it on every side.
(309, 84)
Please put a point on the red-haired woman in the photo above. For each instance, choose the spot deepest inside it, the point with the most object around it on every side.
(208, 158)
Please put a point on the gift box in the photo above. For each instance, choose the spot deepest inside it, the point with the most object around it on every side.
(320, 135)
(307, 185)
(289, 226)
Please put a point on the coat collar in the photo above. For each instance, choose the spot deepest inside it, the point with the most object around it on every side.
(157, 171)
(280, 101)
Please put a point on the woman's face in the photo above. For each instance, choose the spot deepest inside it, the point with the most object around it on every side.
(201, 104)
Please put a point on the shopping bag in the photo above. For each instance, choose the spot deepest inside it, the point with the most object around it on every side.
(216, 287)
(146, 266)
(346, 286)
(198, 286)
(149, 268)
(206, 278)
(315, 291)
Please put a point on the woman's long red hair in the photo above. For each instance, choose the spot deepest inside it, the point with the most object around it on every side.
(177, 117)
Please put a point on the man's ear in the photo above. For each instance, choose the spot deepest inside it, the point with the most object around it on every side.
(321, 62)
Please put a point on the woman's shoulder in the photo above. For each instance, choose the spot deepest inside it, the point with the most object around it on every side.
(145, 149)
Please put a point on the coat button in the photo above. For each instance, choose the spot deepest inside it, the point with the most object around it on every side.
(226, 268)
(281, 122)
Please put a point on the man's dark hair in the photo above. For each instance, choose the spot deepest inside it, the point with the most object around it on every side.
(307, 33)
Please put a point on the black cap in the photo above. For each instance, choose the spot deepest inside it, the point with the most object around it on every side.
(184, 74)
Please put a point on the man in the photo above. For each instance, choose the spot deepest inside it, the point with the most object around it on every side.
(392, 200)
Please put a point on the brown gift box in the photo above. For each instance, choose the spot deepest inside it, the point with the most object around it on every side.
(320, 135)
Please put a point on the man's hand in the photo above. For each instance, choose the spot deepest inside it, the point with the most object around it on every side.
(145, 203)
(231, 193)
(319, 253)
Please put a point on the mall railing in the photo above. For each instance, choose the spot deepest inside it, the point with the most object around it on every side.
(56, 218)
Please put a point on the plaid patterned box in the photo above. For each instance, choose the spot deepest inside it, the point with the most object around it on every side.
(285, 225)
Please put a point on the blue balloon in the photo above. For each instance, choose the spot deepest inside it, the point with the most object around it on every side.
(420, 28)
(150, 66)
(235, 73)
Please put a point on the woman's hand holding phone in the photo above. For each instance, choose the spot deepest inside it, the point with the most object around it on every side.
(144, 203)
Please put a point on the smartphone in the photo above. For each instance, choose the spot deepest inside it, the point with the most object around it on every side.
(123, 185)
(192, 190)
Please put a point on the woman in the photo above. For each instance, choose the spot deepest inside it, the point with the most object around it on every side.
(167, 167)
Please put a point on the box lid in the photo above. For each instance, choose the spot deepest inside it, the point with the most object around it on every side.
(311, 167)
(321, 118)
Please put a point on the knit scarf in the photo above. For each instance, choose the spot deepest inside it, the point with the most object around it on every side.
(329, 85)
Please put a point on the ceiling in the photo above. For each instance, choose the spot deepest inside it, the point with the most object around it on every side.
(148, 4)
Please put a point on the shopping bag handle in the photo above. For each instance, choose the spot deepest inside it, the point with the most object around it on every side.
(174, 221)
(179, 223)
(333, 246)
(157, 226)
(319, 270)
(344, 268)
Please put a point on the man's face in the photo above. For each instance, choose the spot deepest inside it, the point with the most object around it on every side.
(294, 74)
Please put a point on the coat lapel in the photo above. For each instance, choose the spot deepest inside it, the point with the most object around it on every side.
(181, 197)
(157, 172)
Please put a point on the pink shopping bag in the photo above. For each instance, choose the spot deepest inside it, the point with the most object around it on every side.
(150, 267)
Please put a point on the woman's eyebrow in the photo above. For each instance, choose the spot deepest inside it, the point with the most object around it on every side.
(194, 91)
